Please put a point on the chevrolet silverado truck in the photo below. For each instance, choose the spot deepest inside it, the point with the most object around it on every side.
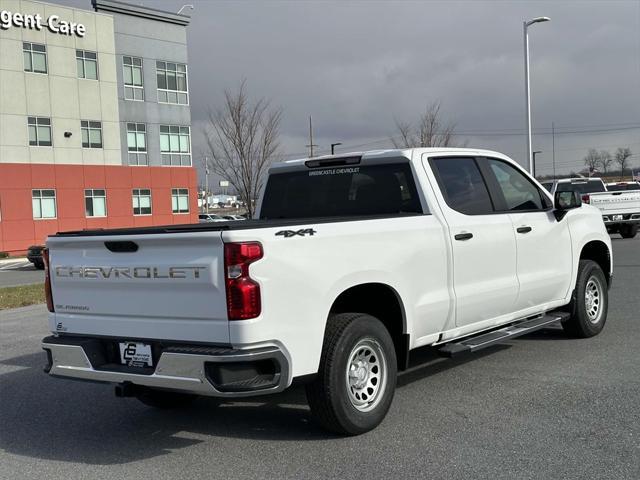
(620, 207)
(351, 263)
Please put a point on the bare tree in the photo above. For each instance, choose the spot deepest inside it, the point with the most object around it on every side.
(243, 141)
(592, 160)
(605, 160)
(430, 131)
(622, 159)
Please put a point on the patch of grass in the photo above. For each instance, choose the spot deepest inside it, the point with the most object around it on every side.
(13, 297)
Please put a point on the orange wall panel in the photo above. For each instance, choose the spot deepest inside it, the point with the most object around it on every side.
(19, 230)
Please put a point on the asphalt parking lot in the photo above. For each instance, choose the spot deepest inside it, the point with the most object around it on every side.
(19, 272)
(539, 407)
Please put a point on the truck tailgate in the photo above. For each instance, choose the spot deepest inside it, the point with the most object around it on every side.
(163, 286)
(616, 202)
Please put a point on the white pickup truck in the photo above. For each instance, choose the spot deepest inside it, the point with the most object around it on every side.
(353, 262)
(620, 207)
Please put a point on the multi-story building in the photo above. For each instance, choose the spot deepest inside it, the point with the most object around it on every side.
(95, 124)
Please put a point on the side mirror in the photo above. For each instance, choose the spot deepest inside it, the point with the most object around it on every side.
(565, 201)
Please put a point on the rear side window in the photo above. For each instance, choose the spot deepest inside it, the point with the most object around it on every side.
(590, 186)
(462, 185)
(357, 190)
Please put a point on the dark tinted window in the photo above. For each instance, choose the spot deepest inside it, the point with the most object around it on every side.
(587, 186)
(462, 185)
(518, 191)
(341, 191)
(622, 187)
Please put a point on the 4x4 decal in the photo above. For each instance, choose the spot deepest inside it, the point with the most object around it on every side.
(292, 233)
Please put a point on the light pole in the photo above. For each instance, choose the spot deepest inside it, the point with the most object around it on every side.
(333, 146)
(533, 172)
(526, 26)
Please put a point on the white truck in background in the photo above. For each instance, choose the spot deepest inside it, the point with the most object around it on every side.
(620, 207)
(353, 262)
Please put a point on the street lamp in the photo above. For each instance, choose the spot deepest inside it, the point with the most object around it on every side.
(533, 172)
(334, 145)
(526, 26)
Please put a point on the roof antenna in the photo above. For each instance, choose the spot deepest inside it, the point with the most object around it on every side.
(190, 7)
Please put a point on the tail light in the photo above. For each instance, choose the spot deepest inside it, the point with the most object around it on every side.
(585, 198)
(47, 279)
(243, 293)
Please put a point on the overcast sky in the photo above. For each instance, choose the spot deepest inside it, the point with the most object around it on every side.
(355, 66)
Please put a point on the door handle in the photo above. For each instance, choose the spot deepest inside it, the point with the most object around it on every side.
(523, 229)
(463, 236)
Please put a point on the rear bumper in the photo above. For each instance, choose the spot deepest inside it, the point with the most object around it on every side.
(201, 370)
(626, 218)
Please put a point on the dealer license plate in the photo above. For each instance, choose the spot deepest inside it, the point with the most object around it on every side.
(617, 218)
(136, 354)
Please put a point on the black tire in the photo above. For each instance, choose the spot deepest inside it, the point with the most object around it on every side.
(350, 339)
(588, 316)
(164, 399)
(39, 265)
(629, 230)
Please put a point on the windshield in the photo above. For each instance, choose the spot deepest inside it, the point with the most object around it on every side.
(341, 191)
(591, 186)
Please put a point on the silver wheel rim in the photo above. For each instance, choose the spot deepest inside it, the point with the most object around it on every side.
(366, 375)
(593, 299)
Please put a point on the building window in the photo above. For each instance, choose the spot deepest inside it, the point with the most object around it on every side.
(91, 134)
(35, 57)
(180, 200)
(175, 145)
(172, 83)
(133, 83)
(137, 144)
(141, 201)
(95, 203)
(44, 203)
(87, 64)
(39, 131)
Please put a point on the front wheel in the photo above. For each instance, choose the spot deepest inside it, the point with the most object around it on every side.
(357, 376)
(591, 302)
(629, 230)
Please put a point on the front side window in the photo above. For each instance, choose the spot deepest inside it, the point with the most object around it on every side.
(172, 83)
(137, 143)
(95, 203)
(133, 81)
(87, 63)
(344, 191)
(39, 131)
(91, 134)
(180, 200)
(518, 192)
(141, 201)
(43, 203)
(35, 57)
(462, 185)
(175, 145)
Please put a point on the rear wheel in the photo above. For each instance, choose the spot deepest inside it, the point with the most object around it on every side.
(591, 302)
(164, 399)
(357, 376)
(629, 230)
(39, 264)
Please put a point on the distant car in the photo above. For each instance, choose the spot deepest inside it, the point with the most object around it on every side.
(233, 217)
(210, 217)
(34, 255)
(623, 186)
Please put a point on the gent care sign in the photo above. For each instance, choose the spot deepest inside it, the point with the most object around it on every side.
(53, 23)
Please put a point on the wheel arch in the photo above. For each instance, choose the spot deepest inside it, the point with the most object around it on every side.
(599, 252)
(382, 301)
